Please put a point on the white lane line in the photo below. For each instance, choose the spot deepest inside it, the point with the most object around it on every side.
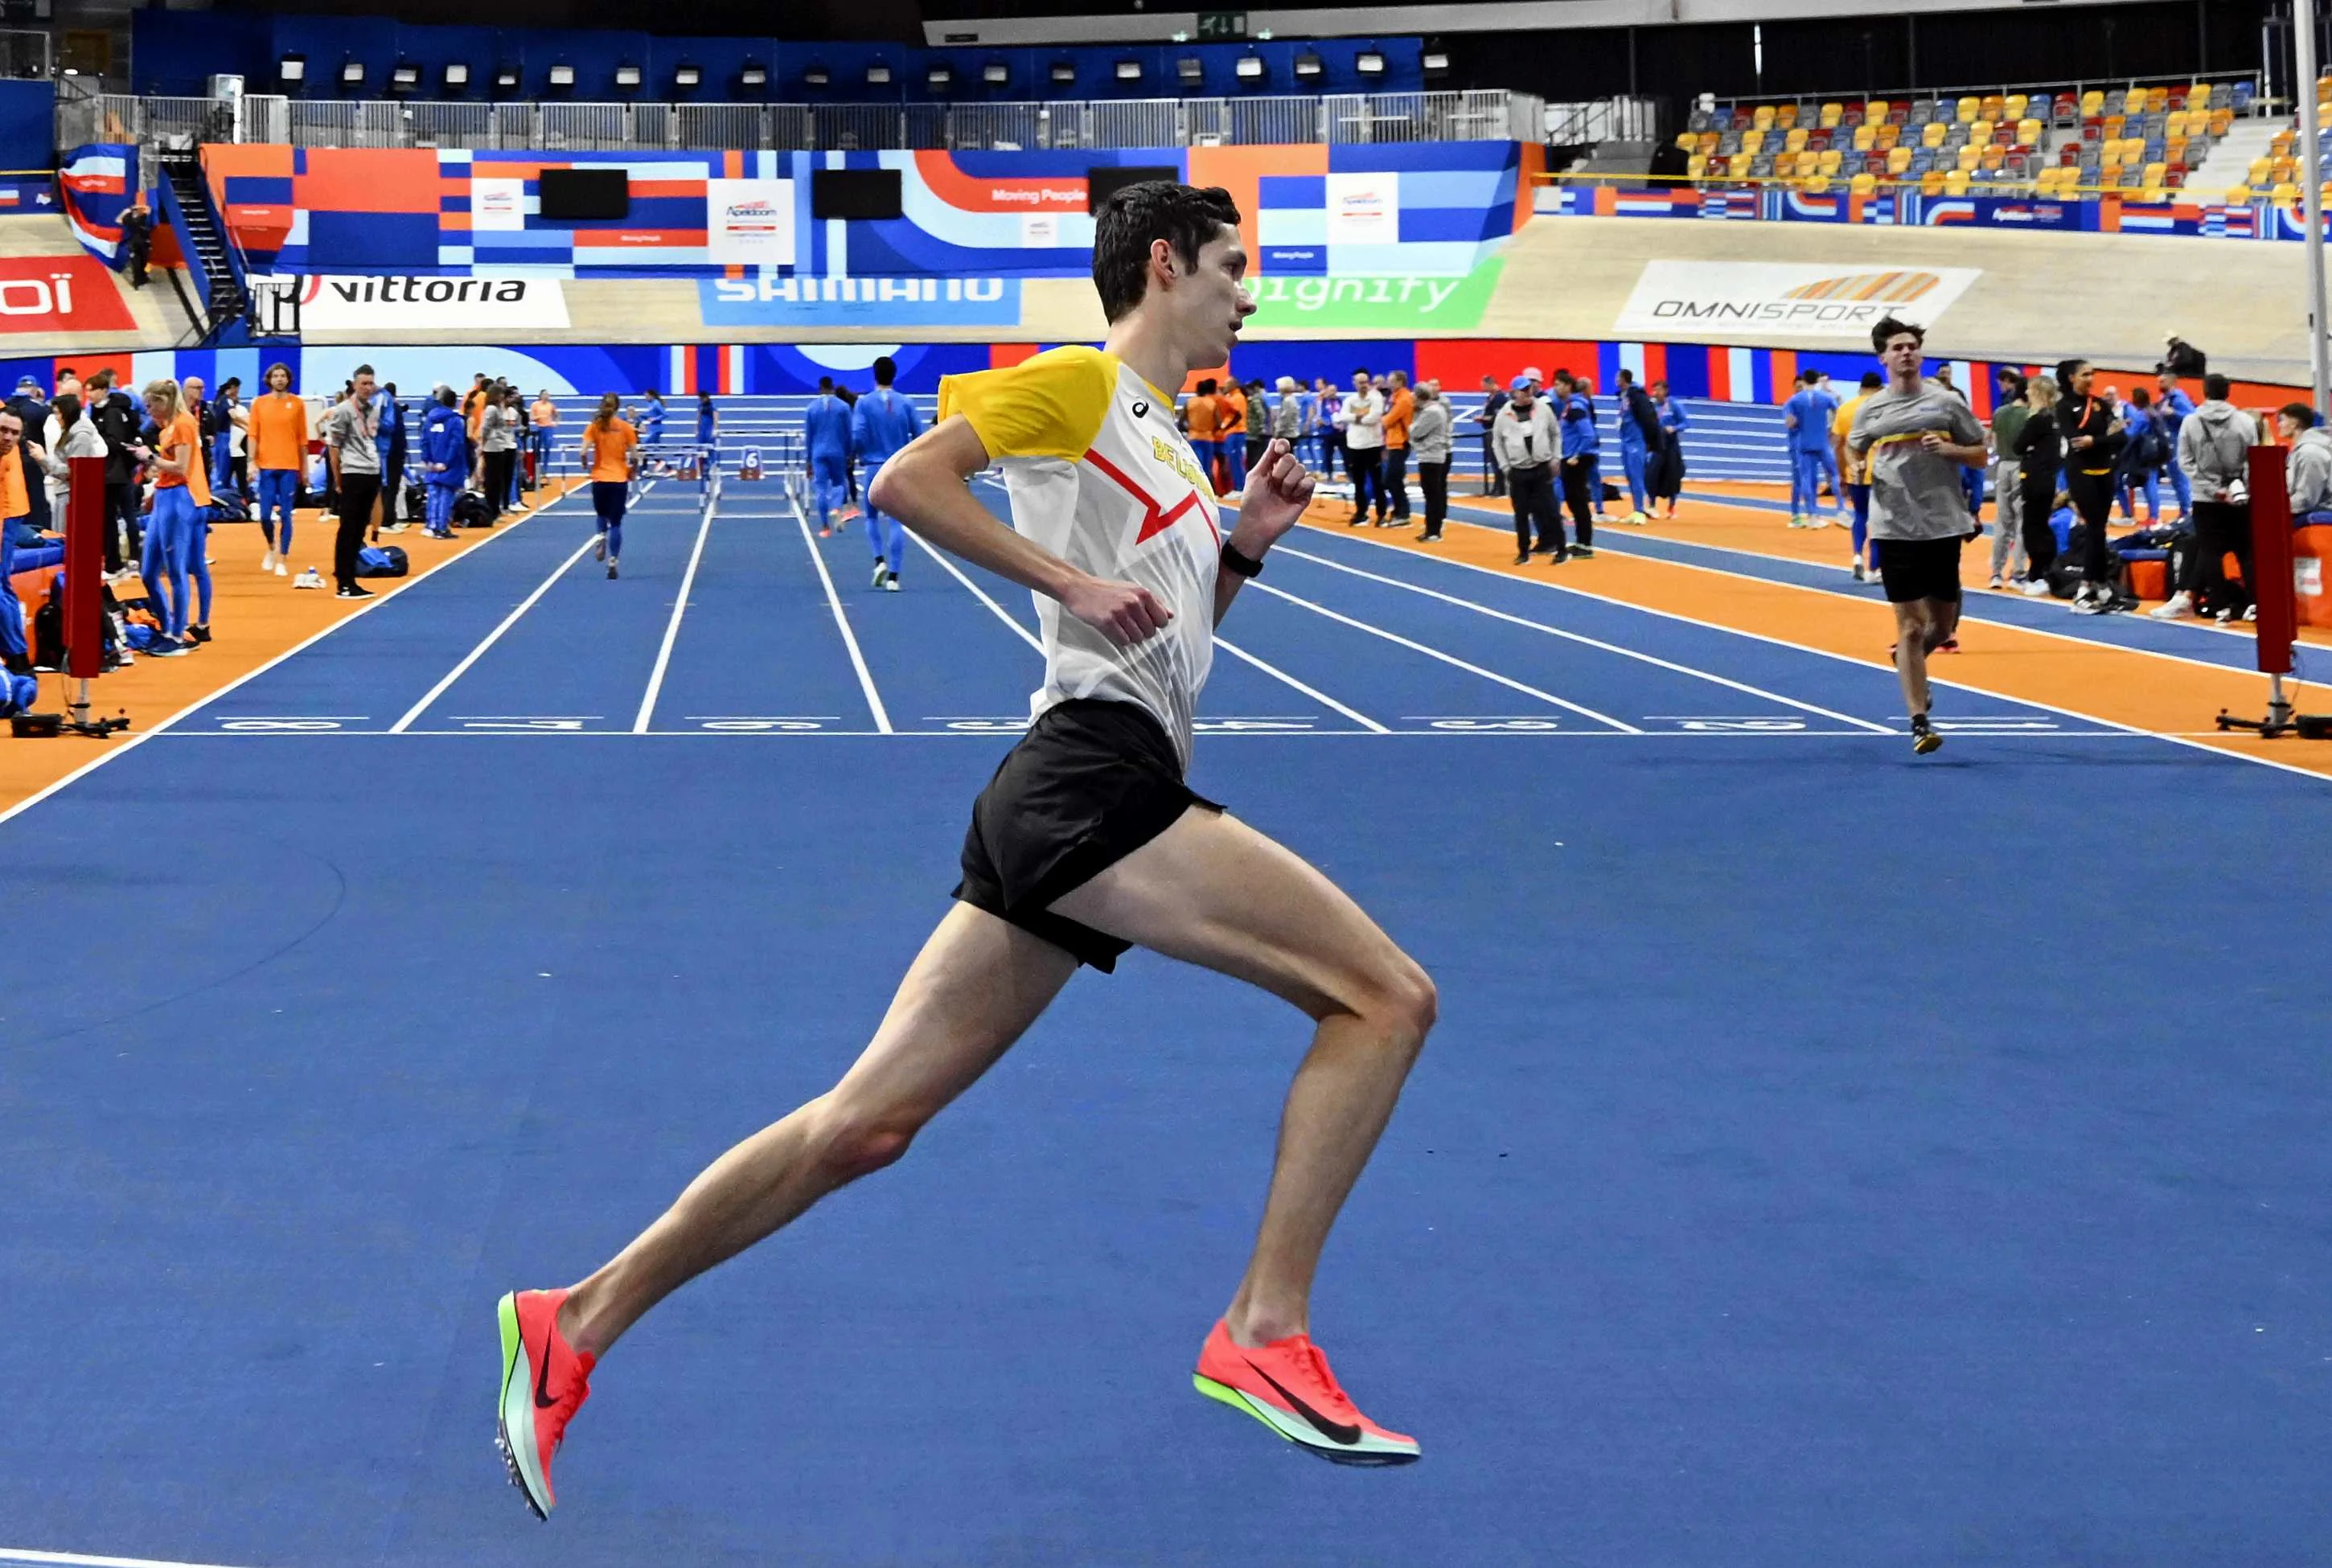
(1321, 697)
(81, 1560)
(833, 599)
(672, 627)
(998, 610)
(2175, 737)
(1590, 642)
(1452, 659)
(475, 654)
(380, 597)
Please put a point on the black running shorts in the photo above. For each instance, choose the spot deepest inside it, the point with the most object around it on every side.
(1090, 782)
(1920, 569)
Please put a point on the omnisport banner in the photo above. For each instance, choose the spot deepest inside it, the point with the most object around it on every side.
(1803, 298)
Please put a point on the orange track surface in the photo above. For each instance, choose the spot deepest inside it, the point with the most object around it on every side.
(2119, 685)
(255, 618)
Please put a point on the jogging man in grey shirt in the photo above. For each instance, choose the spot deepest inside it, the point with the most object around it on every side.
(1914, 436)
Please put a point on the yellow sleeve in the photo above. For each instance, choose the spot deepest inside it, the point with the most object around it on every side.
(1841, 424)
(1052, 406)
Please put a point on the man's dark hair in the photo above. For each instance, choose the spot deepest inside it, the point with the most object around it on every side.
(1362, 371)
(1185, 216)
(825, 382)
(101, 378)
(1661, 385)
(1889, 327)
(885, 372)
(1205, 387)
(230, 381)
(2215, 385)
(2012, 379)
(360, 371)
(1627, 376)
(1872, 380)
(2300, 414)
(446, 397)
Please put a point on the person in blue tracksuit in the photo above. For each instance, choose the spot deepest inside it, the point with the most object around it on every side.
(652, 423)
(395, 454)
(880, 425)
(445, 460)
(1574, 411)
(1665, 472)
(1807, 418)
(223, 408)
(2170, 410)
(705, 419)
(826, 436)
(1640, 437)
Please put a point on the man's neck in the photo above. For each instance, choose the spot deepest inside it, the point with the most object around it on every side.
(1134, 340)
(1908, 384)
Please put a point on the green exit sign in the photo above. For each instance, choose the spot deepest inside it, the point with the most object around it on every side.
(1220, 24)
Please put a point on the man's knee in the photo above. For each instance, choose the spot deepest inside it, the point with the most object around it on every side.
(858, 1141)
(1401, 997)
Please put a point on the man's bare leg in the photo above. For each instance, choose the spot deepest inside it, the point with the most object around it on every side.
(1916, 635)
(974, 989)
(1212, 891)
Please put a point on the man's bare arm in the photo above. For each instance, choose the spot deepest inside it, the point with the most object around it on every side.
(924, 488)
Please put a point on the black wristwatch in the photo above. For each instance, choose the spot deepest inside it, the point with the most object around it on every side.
(1239, 565)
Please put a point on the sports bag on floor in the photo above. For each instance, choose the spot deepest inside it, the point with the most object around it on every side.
(381, 560)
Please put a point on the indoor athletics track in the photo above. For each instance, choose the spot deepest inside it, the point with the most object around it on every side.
(1826, 1156)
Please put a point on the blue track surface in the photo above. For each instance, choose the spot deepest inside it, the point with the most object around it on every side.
(1827, 1156)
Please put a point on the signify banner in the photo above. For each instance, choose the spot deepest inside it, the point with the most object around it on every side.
(1393, 305)
(813, 301)
(1804, 299)
(347, 302)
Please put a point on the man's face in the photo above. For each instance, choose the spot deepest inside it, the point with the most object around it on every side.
(1660, 391)
(364, 388)
(12, 430)
(1360, 380)
(1523, 399)
(2285, 425)
(191, 391)
(2082, 380)
(1211, 301)
(1400, 378)
(279, 380)
(1901, 356)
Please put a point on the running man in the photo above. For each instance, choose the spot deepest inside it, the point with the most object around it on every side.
(1086, 842)
(881, 424)
(1916, 436)
(652, 427)
(610, 450)
(1857, 476)
(826, 436)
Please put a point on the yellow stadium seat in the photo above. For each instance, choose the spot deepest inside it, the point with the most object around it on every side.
(2028, 132)
(1993, 158)
(2175, 123)
(1688, 142)
(1862, 185)
(2239, 195)
(1875, 112)
(1762, 117)
(1709, 142)
(2259, 169)
(1695, 166)
(1753, 142)
(2199, 96)
(1897, 160)
(2279, 145)
(2282, 170)
(1983, 130)
(2153, 174)
(1866, 137)
(1786, 117)
(1832, 161)
(2156, 195)
(1931, 134)
(1888, 134)
(1969, 108)
(1968, 156)
(2093, 102)
(2176, 148)
(2114, 126)
(1831, 113)
(1815, 184)
(1955, 182)
(2157, 99)
(2285, 193)
(1995, 105)
(1796, 140)
(1785, 165)
(2223, 121)
(2014, 105)
(1932, 182)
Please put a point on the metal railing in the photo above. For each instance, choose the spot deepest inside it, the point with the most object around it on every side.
(2217, 80)
(1605, 120)
(1384, 117)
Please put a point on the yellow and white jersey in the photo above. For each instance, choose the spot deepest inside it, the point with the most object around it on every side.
(1099, 475)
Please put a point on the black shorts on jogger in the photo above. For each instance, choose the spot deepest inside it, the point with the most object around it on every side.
(1091, 781)
(1920, 569)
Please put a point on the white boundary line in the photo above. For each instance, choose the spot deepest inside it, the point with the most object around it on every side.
(2175, 738)
(379, 598)
(1507, 681)
(1354, 714)
(78, 1560)
(833, 600)
(1590, 642)
(672, 627)
(491, 637)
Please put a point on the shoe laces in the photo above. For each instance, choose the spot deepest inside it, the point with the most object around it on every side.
(1314, 1361)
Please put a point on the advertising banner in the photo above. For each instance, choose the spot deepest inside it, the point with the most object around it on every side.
(812, 302)
(748, 223)
(1363, 209)
(61, 293)
(349, 302)
(498, 204)
(1804, 298)
(1389, 304)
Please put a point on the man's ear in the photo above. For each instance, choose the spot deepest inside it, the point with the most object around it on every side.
(1162, 261)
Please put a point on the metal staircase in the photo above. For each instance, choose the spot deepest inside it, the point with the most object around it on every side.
(204, 241)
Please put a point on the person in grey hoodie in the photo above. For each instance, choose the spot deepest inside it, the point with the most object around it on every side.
(2214, 445)
(2307, 471)
(1429, 442)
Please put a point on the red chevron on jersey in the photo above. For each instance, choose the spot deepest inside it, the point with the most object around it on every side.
(1153, 522)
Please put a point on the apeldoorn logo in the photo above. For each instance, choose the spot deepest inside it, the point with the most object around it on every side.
(1672, 299)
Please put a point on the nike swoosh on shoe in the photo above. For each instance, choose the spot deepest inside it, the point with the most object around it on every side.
(1334, 1431)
